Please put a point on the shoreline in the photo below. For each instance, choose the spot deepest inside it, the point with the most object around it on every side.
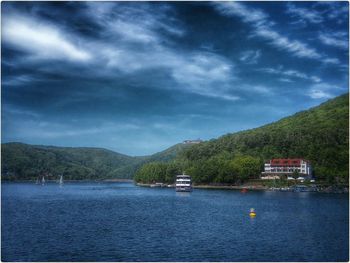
(217, 187)
(82, 181)
(320, 189)
(330, 189)
(232, 187)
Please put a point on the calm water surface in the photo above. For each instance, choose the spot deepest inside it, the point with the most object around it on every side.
(122, 222)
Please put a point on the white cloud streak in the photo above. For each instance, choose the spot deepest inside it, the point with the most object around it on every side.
(335, 39)
(263, 28)
(337, 11)
(250, 56)
(319, 94)
(41, 41)
(34, 129)
(290, 73)
(303, 14)
(298, 48)
(321, 91)
(286, 80)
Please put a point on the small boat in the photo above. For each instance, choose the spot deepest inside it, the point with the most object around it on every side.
(158, 185)
(61, 180)
(244, 190)
(43, 180)
(183, 183)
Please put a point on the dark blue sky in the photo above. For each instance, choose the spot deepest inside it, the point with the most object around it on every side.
(138, 77)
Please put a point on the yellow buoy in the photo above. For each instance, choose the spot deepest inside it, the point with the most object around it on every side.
(252, 212)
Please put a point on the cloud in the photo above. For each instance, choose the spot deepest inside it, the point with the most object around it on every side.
(315, 79)
(263, 28)
(11, 110)
(334, 61)
(42, 41)
(141, 23)
(131, 38)
(206, 74)
(298, 48)
(337, 11)
(260, 89)
(290, 73)
(303, 14)
(250, 56)
(39, 128)
(285, 80)
(335, 39)
(19, 80)
(249, 15)
(319, 94)
(141, 46)
(203, 73)
(321, 91)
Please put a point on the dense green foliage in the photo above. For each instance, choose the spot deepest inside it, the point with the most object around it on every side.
(22, 161)
(157, 172)
(320, 135)
(168, 154)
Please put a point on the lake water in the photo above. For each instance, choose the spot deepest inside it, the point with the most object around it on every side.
(123, 222)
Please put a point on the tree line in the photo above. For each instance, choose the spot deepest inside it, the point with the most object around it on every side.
(221, 168)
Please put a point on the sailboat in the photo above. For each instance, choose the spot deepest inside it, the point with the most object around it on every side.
(43, 180)
(61, 180)
(37, 180)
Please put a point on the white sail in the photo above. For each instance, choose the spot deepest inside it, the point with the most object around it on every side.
(61, 180)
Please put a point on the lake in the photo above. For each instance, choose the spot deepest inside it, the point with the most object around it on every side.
(123, 222)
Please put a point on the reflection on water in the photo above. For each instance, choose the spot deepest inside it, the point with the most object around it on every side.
(123, 222)
(183, 194)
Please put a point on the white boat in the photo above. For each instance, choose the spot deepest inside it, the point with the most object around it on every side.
(43, 180)
(61, 180)
(183, 183)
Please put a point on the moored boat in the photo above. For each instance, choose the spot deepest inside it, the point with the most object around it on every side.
(183, 183)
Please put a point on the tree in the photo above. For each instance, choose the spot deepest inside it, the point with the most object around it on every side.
(295, 174)
(246, 167)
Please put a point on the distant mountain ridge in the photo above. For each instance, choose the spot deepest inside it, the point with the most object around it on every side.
(24, 161)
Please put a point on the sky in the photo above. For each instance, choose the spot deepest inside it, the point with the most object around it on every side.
(139, 77)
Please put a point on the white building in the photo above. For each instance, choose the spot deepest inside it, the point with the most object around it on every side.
(192, 141)
(286, 167)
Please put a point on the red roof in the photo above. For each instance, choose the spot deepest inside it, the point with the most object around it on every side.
(286, 162)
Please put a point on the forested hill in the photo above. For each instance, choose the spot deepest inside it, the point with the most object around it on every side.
(23, 161)
(320, 135)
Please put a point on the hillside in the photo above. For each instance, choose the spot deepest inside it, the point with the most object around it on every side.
(168, 154)
(320, 134)
(22, 161)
